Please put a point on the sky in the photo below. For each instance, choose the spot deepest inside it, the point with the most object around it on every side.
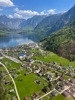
(29, 8)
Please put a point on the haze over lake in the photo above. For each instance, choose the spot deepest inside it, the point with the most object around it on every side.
(13, 40)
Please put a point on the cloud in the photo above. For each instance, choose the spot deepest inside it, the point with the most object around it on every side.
(63, 12)
(6, 3)
(29, 13)
(52, 11)
(10, 16)
(26, 13)
(16, 16)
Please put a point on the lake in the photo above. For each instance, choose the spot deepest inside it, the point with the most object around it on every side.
(13, 40)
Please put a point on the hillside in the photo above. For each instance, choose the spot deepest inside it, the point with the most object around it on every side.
(54, 23)
(16, 23)
(2, 26)
(31, 23)
(47, 23)
(9, 22)
(3, 29)
(62, 42)
(64, 20)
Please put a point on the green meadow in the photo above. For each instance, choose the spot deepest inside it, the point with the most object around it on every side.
(54, 57)
(26, 85)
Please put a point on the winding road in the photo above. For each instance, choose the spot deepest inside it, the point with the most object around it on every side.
(12, 80)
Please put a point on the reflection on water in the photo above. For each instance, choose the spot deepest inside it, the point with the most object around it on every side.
(14, 40)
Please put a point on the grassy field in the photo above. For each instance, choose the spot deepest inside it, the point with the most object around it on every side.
(10, 63)
(54, 57)
(27, 85)
(34, 51)
(61, 97)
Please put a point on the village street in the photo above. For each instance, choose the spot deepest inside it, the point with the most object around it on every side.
(44, 95)
(53, 90)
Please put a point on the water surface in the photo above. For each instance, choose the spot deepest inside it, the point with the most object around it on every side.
(13, 40)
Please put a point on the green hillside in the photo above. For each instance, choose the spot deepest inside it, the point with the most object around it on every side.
(62, 42)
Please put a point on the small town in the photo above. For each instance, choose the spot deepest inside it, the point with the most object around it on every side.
(37, 49)
(31, 73)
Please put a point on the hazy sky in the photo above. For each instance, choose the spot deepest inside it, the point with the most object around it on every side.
(29, 8)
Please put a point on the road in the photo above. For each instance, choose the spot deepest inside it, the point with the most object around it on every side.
(36, 61)
(12, 58)
(55, 79)
(45, 95)
(51, 91)
(12, 80)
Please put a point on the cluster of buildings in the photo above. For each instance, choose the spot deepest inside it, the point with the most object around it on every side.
(51, 72)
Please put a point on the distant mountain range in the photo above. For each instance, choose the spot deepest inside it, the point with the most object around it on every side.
(32, 22)
(42, 24)
(47, 23)
(55, 22)
(10, 23)
(2, 26)
(20, 23)
(64, 20)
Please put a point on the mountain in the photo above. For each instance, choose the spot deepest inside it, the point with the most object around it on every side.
(10, 23)
(4, 30)
(64, 20)
(2, 26)
(62, 42)
(16, 23)
(54, 23)
(47, 23)
(32, 22)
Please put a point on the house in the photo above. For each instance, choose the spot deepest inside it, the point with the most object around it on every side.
(38, 82)
(7, 82)
(66, 94)
(37, 71)
(49, 75)
(39, 74)
(54, 93)
(1, 57)
(59, 68)
(73, 89)
(26, 98)
(69, 66)
(74, 94)
(57, 87)
(13, 98)
(21, 57)
(35, 95)
(64, 87)
(11, 91)
(72, 81)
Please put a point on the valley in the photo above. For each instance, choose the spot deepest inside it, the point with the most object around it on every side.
(37, 50)
(38, 74)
